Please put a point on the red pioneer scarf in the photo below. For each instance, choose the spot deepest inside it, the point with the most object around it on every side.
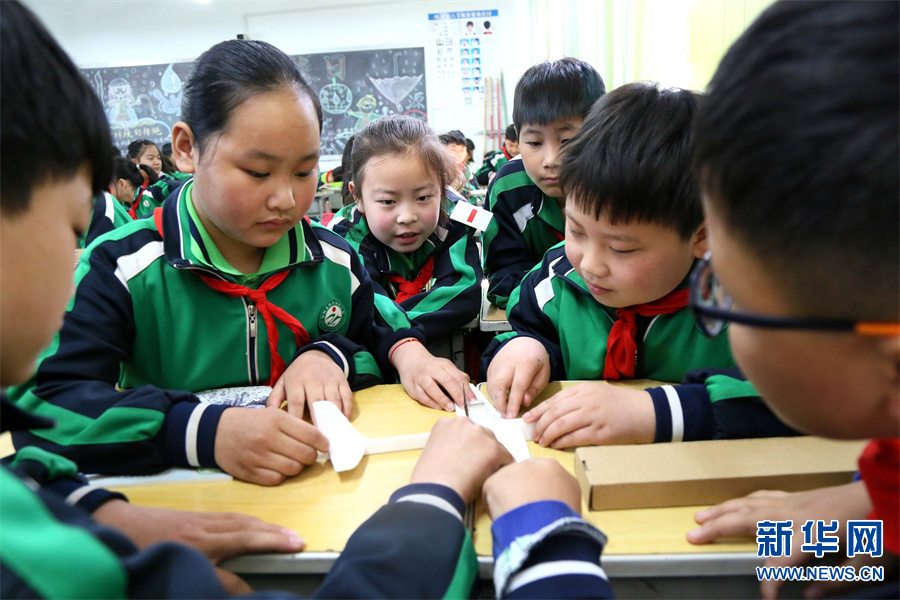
(408, 289)
(879, 467)
(621, 347)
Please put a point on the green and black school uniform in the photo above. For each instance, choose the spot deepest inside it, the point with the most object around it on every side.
(526, 224)
(148, 327)
(659, 340)
(108, 213)
(439, 285)
(491, 164)
(146, 201)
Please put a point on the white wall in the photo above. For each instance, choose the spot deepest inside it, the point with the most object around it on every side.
(116, 32)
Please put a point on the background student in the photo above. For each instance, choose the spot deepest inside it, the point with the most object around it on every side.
(551, 101)
(400, 225)
(497, 158)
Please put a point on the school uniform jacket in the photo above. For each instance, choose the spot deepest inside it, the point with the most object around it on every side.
(454, 296)
(51, 547)
(491, 164)
(108, 213)
(526, 224)
(154, 196)
(554, 307)
(143, 333)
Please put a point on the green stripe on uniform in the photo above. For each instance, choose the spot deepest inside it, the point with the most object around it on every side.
(466, 570)
(54, 559)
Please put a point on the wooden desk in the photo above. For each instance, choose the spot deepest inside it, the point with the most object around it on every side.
(326, 507)
(492, 318)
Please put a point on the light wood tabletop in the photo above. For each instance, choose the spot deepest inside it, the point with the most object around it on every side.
(326, 507)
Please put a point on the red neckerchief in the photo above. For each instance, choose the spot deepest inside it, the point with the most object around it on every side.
(408, 289)
(879, 467)
(505, 153)
(266, 309)
(621, 347)
(558, 235)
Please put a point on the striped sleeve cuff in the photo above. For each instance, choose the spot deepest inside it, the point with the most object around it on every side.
(89, 497)
(683, 413)
(188, 435)
(331, 350)
(439, 496)
(544, 541)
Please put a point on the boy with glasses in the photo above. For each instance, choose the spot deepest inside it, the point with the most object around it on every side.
(800, 184)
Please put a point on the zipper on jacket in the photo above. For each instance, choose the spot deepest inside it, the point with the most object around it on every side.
(252, 334)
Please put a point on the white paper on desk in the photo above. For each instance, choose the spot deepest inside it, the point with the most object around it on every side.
(512, 433)
(471, 215)
(169, 476)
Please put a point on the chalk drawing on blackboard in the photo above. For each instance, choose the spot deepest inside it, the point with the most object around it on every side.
(335, 97)
(120, 101)
(169, 99)
(366, 106)
(398, 87)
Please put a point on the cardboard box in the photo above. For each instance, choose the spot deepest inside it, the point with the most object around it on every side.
(708, 472)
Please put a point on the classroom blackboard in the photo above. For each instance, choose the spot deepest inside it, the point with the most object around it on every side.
(354, 88)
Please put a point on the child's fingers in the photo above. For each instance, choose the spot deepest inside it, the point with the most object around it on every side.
(283, 464)
(346, 398)
(332, 393)
(430, 386)
(534, 415)
(453, 383)
(726, 525)
(302, 434)
(560, 420)
(422, 397)
(296, 398)
(254, 541)
(262, 476)
(277, 397)
(520, 384)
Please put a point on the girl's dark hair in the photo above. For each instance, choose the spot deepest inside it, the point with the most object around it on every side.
(136, 148)
(167, 165)
(347, 172)
(397, 135)
(229, 74)
(152, 177)
(51, 121)
(127, 170)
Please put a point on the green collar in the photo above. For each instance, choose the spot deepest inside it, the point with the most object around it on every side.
(199, 248)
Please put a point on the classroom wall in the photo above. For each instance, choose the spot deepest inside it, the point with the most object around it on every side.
(676, 42)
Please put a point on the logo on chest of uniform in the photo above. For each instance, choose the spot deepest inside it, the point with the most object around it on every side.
(332, 316)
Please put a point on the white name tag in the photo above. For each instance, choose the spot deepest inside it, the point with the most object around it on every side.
(471, 215)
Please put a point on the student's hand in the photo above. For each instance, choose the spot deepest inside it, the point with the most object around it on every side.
(517, 374)
(313, 376)
(217, 535)
(265, 445)
(460, 455)
(431, 381)
(738, 517)
(234, 585)
(594, 413)
(529, 481)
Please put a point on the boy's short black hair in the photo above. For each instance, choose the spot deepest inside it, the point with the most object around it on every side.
(549, 91)
(51, 121)
(511, 134)
(631, 159)
(797, 149)
(453, 137)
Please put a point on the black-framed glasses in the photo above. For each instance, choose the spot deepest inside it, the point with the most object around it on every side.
(713, 308)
